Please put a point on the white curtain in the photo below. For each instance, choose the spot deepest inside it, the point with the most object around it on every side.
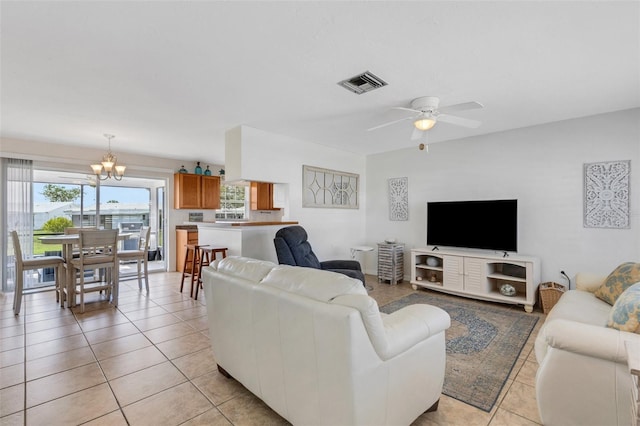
(17, 197)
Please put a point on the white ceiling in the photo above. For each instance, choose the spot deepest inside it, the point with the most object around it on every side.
(170, 77)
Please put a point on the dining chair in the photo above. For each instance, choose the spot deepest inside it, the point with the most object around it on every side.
(97, 250)
(76, 231)
(140, 256)
(31, 264)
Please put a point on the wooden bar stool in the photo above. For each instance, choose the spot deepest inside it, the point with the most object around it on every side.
(191, 267)
(208, 255)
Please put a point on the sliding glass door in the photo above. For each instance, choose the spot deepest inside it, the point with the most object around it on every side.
(64, 199)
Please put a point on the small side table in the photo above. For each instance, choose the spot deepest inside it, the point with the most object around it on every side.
(355, 250)
(354, 255)
(391, 262)
(633, 361)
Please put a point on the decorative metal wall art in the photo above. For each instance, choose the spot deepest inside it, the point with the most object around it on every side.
(329, 188)
(399, 198)
(606, 194)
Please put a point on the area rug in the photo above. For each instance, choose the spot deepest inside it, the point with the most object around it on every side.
(483, 344)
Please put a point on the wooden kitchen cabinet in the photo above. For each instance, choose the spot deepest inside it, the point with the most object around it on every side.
(262, 196)
(184, 237)
(210, 192)
(196, 191)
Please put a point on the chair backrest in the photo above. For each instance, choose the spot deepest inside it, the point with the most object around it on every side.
(103, 243)
(292, 248)
(75, 231)
(17, 250)
(143, 238)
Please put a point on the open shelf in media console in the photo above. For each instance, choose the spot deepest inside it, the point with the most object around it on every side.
(428, 275)
(427, 283)
(433, 268)
(506, 277)
(518, 298)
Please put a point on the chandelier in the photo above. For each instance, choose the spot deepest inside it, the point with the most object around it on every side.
(109, 165)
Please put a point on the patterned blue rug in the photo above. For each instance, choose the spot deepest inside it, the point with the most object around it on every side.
(483, 344)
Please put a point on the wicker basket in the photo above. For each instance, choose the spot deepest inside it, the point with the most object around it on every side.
(550, 293)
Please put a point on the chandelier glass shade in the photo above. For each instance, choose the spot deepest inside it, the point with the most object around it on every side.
(109, 164)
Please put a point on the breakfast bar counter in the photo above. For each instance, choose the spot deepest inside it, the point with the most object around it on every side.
(249, 239)
(262, 223)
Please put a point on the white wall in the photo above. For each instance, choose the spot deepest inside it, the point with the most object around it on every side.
(541, 166)
(270, 157)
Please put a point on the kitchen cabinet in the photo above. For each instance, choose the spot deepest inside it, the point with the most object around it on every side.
(184, 237)
(262, 196)
(193, 191)
(210, 192)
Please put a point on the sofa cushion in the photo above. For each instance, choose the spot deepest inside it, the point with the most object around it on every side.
(312, 283)
(623, 277)
(243, 267)
(580, 306)
(590, 282)
(625, 313)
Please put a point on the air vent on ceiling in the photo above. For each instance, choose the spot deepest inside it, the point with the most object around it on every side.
(362, 83)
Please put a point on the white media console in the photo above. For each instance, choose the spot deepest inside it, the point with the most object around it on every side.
(477, 275)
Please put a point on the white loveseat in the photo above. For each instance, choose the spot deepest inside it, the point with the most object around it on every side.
(314, 347)
(582, 376)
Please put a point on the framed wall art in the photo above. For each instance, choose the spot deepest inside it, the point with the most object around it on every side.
(606, 194)
(399, 198)
(329, 188)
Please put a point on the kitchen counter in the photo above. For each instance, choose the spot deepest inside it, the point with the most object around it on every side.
(240, 224)
(263, 223)
(248, 239)
(187, 227)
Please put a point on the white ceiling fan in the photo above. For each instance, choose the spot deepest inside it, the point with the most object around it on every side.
(428, 113)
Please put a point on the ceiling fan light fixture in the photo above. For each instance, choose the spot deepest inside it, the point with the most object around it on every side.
(425, 123)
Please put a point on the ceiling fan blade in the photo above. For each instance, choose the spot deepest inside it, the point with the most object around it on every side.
(390, 123)
(408, 109)
(461, 107)
(459, 121)
(417, 134)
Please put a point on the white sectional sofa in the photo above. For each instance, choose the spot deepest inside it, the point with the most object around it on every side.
(314, 347)
(583, 378)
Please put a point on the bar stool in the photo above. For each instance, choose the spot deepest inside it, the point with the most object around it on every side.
(208, 255)
(191, 267)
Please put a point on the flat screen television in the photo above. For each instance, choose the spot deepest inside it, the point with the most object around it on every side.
(490, 224)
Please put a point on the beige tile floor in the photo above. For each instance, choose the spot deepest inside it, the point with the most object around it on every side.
(149, 362)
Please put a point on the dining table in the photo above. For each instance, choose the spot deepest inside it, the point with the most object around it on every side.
(68, 241)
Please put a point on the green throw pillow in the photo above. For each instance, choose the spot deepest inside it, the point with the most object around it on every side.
(623, 277)
(625, 314)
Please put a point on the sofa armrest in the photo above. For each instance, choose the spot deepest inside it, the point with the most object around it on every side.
(394, 333)
(589, 282)
(340, 264)
(408, 326)
(589, 340)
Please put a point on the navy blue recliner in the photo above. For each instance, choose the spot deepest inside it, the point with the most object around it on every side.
(293, 249)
